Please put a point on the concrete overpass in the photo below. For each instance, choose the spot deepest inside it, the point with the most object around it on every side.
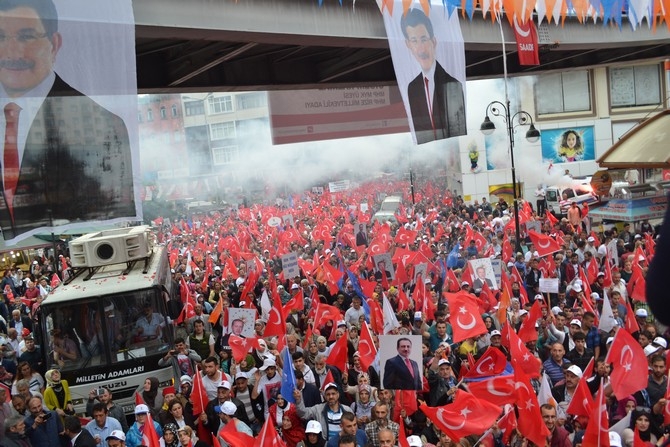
(207, 45)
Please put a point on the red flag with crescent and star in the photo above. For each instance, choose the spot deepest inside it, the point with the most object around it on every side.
(466, 322)
(467, 415)
(530, 423)
(629, 373)
(366, 347)
(491, 363)
(545, 245)
(498, 390)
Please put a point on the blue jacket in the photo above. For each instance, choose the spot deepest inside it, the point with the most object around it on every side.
(46, 434)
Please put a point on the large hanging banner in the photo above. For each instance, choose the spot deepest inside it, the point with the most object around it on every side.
(429, 61)
(68, 87)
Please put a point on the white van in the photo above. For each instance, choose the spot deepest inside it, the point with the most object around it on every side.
(559, 198)
(387, 210)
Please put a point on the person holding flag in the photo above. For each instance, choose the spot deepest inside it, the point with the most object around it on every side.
(144, 428)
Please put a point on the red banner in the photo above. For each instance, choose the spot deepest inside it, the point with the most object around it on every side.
(526, 43)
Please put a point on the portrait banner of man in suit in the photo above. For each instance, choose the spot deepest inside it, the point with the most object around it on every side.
(429, 61)
(68, 89)
(483, 274)
(400, 356)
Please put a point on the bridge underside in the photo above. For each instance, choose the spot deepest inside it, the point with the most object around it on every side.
(207, 45)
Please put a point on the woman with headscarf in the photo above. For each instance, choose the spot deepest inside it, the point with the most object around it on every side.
(57, 394)
(169, 438)
(285, 416)
(151, 397)
(188, 439)
(624, 406)
(640, 419)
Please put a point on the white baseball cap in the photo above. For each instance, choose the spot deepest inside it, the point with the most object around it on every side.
(141, 409)
(661, 342)
(576, 370)
(641, 313)
(267, 363)
(495, 332)
(313, 427)
(577, 322)
(414, 441)
(116, 434)
(224, 384)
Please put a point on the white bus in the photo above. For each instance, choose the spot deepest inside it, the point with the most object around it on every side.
(119, 277)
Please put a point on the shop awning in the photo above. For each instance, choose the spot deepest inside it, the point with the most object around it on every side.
(632, 210)
(646, 146)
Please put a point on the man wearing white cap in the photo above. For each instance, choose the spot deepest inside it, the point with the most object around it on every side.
(269, 383)
(116, 439)
(223, 395)
(563, 393)
(226, 414)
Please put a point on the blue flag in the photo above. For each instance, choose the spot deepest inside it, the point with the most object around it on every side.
(288, 377)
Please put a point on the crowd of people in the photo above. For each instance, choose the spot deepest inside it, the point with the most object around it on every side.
(549, 323)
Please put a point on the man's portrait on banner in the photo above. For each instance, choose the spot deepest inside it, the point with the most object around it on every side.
(401, 359)
(429, 61)
(65, 158)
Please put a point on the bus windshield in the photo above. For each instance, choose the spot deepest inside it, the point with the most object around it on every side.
(103, 331)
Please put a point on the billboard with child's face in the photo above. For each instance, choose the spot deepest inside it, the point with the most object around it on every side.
(568, 145)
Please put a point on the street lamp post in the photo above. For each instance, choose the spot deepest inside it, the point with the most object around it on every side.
(497, 108)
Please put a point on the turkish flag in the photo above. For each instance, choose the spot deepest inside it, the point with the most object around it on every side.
(276, 324)
(332, 275)
(629, 374)
(507, 253)
(465, 319)
(487, 297)
(402, 436)
(630, 323)
(491, 363)
(507, 424)
(637, 285)
(516, 277)
(466, 416)
(530, 422)
(551, 218)
(241, 346)
(581, 403)
(607, 280)
(328, 379)
(522, 357)
(592, 271)
(405, 236)
(498, 390)
(149, 436)
(544, 245)
(597, 430)
(376, 317)
(325, 312)
(230, 434)
(527, 331)
(297, 302)
(138, 399)
(666, 408)
(338, 354)
(366, 347)
(453, 285)
(198, 395)
(404, 400)
(268, 437)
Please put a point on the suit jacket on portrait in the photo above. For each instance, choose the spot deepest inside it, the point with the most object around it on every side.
(448, 107)
(398, 377)
(479, 284)
(85, 439)
(76, 163)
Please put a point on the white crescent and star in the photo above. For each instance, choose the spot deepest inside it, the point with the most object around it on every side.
(490, 387)
(466, 327)
(484, 361)
(627, 366)
(440, 417)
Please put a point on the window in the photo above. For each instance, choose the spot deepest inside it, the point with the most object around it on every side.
(563, 93)
(174, 111)
(222, 131)
(163, 113)
(139, 117)
(150, 115)
(251, 101)
(224, 155)
(193, 108)
(221, 104)
(635, 86)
